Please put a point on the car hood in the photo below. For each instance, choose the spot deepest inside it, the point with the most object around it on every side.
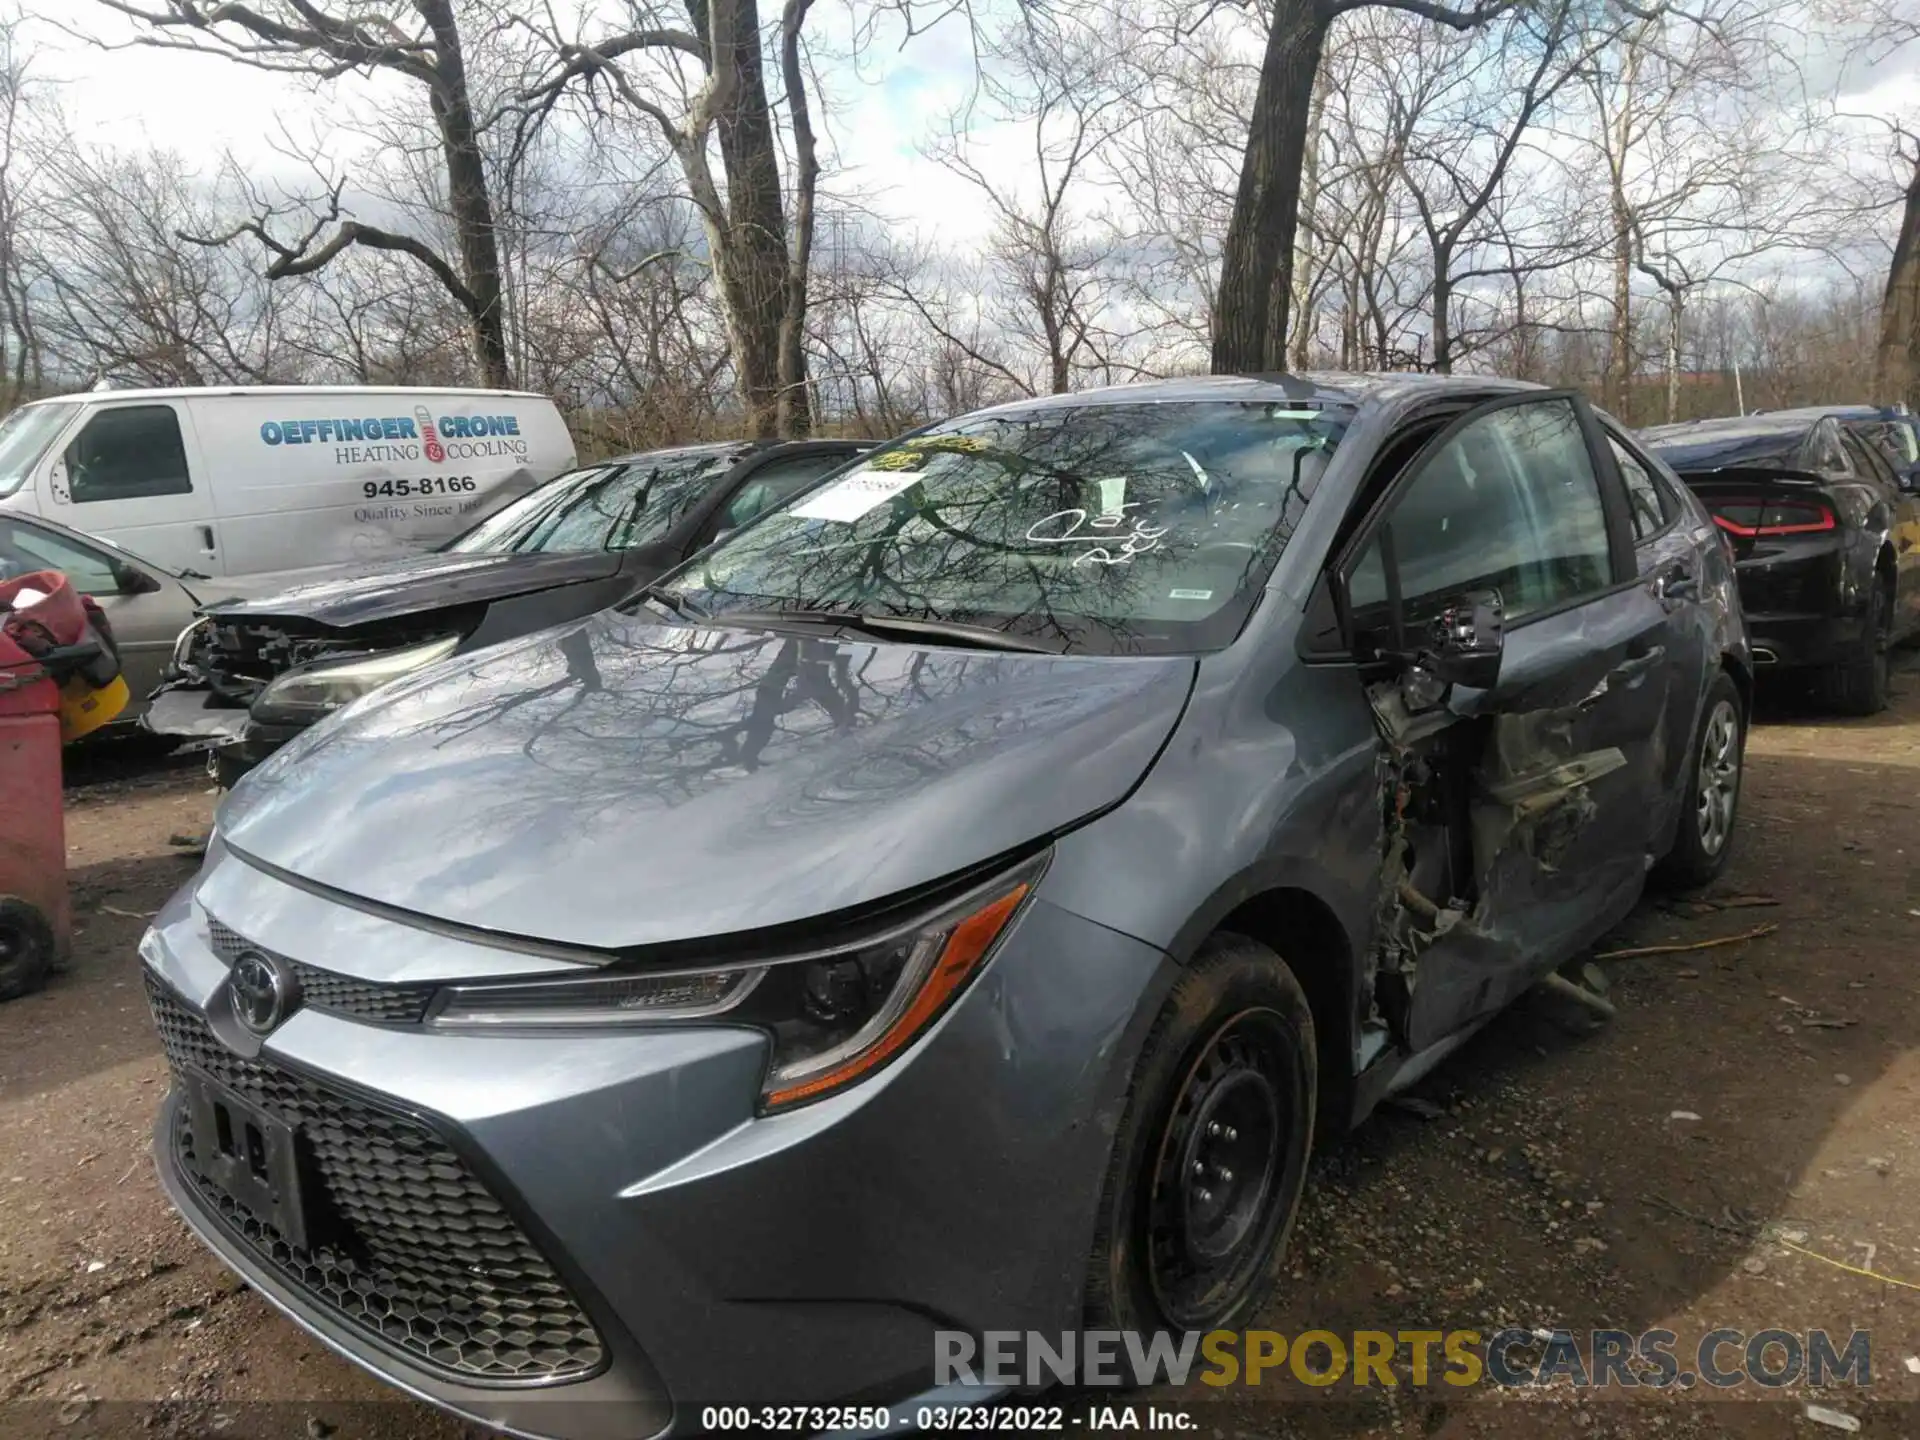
(347, 595)
(621, 783)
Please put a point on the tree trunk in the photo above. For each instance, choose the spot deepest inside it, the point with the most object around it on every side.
(796, 395)
(1895, 373)
(1673, 357)
(1256, 262)
(1620, 361)
(1299, 322)
(754, 256)
(1442, 322)
(1523, 358)
(467, 194)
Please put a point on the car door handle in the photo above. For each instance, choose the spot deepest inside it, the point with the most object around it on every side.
(1625, 673)
(206, 538)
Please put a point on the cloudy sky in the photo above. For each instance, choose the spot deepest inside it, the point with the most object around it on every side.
(878, 110)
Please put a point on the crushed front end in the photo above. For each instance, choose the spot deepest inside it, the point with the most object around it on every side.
(241, 687)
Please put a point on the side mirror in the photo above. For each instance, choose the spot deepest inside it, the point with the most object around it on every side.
(1465, 640)
(134, 581)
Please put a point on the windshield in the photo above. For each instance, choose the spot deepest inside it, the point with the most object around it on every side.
(1127, 527)
(604, 507)
(24, 437)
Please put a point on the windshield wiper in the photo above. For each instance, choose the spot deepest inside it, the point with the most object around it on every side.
(673, 600)
(978, 637)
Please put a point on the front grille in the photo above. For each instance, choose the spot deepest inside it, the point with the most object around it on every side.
(407, 1245)
(325, 990)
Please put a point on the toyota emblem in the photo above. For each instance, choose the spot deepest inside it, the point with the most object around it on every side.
(264, 993)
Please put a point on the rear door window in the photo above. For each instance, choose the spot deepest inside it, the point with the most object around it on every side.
(1648, 503)
(130, 453)
(1826, 455)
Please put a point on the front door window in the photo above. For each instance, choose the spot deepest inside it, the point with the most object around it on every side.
(130, 453)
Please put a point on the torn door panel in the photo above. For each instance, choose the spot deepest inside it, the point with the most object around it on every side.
(1481, 812)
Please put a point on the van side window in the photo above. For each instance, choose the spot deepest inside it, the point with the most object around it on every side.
(128, 454)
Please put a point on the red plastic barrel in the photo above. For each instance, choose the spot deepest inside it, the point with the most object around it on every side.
(36, 921)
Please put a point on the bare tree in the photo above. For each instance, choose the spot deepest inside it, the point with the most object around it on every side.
(125, 298)
(299, 37)
(25, 368)
(1897, 348)
(698, 85)
(1051, 263)
(1256, 264)
(1499, 88)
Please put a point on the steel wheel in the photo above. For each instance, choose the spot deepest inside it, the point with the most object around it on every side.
(1719, 784)
(1216, 1203)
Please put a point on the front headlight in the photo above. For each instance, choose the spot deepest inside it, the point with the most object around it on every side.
(834, 1017)
(322, 688)
(183, 662)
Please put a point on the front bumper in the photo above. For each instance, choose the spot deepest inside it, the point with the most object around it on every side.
(723, 1257)
(237, 740)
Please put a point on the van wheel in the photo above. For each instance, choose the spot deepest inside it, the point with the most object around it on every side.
(1712, 801)
(26, 948)
(1211, 1156)
(1864, 684)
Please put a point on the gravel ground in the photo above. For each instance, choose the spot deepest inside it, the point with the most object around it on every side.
(1541, 1177)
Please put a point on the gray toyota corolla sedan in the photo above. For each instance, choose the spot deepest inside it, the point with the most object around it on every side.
(954, 902)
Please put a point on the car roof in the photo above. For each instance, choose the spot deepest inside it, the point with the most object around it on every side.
(742, 448)
(185, 392)
(1844, 412)
(1326, 388)
(1732, 440)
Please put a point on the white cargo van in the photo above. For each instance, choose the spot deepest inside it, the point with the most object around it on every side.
(236, 481)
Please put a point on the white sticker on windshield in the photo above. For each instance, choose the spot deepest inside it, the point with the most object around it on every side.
(847, 500)
(1190, 594)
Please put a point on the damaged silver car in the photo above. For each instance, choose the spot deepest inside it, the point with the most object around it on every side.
(956, 901)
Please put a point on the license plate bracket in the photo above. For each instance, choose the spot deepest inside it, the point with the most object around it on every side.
(250, 1156)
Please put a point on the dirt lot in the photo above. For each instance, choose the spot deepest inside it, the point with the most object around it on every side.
(1542, 1177)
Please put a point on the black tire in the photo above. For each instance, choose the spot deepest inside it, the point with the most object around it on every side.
(26, 948)
(1864, 684)
(1705, 837)
(1211, 1156)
